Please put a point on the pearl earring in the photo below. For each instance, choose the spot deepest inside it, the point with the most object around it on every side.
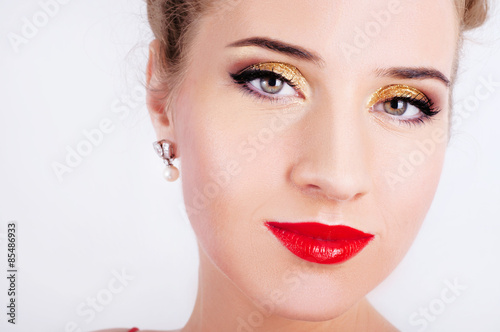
(165, 150)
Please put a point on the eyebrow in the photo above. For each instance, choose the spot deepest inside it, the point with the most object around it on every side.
(281, 47)
(419, 73)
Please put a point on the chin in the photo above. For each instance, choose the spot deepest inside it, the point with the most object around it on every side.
(311, 297)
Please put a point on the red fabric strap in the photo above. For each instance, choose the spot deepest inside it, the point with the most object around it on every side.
(134, 329)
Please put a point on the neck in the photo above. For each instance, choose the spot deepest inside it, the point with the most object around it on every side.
(221, 306)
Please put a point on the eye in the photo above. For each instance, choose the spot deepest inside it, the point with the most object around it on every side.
(403, 103)
(398, 107)
(273, 85)
(272, 81)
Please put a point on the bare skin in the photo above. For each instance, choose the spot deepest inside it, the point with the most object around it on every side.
(336, 158)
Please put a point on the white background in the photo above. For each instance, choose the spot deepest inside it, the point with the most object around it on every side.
(113, 212)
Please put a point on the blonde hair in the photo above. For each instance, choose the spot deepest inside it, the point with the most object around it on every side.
(473, 13)
(173, 24)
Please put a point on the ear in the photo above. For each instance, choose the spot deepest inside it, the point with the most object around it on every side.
(161, 117)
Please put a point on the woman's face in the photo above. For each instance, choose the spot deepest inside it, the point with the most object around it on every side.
(327, 141)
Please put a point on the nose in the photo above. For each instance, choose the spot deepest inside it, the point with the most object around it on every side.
(334, 154)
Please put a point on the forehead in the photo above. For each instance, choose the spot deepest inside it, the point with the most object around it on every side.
(360, 33)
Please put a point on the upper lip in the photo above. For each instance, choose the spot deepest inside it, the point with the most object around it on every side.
(321, 231)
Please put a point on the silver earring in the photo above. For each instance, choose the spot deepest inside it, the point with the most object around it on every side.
(165, 150)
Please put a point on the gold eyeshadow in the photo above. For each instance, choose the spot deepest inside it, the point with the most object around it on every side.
(289, 72)
(396, 91)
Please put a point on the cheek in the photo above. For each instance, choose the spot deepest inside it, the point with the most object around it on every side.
(216, 165)
(406, 188)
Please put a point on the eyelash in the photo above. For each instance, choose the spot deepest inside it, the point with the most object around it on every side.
(244, 78)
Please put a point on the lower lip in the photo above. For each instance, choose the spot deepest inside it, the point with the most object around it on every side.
(320, 243)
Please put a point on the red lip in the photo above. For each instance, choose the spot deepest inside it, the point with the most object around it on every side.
(320, 243)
